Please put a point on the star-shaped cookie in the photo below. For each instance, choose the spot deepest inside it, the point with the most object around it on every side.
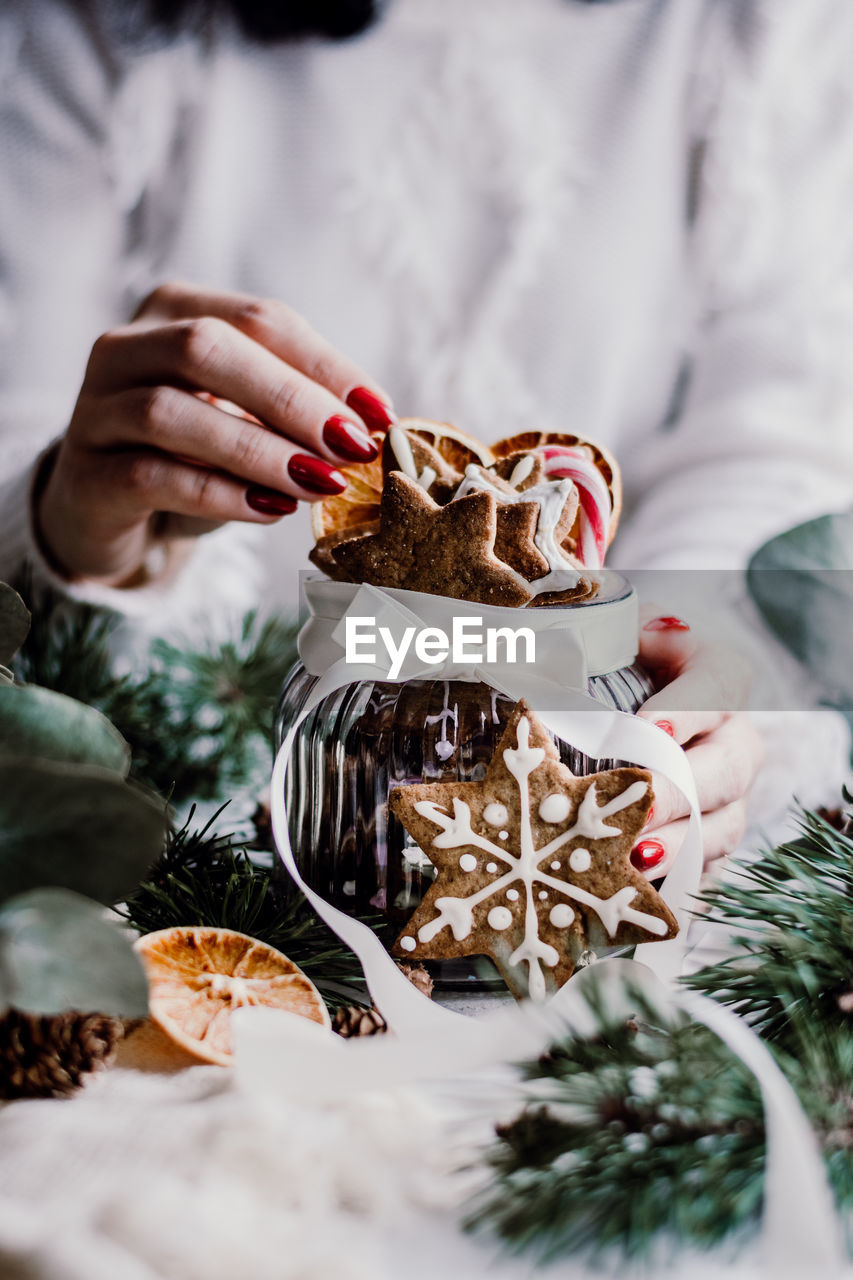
(533, 863)
(441, 550)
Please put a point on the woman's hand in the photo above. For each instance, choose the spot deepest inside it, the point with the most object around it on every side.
(702, 690)
(151, 455)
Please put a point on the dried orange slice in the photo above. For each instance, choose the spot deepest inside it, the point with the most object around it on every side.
(198, 976)
(359, 503)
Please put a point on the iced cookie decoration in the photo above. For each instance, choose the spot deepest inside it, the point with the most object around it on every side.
(441, 550)
(533, 864)
(553, 503)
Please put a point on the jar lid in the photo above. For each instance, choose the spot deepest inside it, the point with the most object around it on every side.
(606, 625)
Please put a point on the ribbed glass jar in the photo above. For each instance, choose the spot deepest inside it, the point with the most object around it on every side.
(369, 737)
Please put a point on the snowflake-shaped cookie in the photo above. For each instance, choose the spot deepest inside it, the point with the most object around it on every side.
(533, 864)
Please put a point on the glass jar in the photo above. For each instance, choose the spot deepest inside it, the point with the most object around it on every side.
(371, 736)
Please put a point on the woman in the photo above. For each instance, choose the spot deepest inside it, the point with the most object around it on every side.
(626, 219)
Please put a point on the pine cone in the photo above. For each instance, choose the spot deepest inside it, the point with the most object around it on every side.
(354, 1020)
(48, 1056)
(418, 976)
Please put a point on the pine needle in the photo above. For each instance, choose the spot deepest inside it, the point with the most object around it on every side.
(791, 914)
(648, 1130)
(198, 720)
(205, 878)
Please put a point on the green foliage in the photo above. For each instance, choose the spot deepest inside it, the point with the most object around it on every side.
(204, 878)
(70, 824)
(791, 912)
(198, 721)
(68, 816)
(14, 623)
(802, 581)
(77, 827)
(649, 1128)
(59, 952)
(50, 726)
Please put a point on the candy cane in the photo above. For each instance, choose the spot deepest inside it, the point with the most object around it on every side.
(594, 499)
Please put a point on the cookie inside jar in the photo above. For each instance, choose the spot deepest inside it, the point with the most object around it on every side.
(520, 529)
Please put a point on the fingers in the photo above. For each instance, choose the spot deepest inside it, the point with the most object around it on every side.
(683, 726)
(694, 676)
(283, 332)
(711, 680)
(210, 355)
(722, 833)
(152, 481)
(175, 422)
(666, 643)
(724, 764)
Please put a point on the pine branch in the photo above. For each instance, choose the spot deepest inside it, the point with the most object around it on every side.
(68, 649)
(198, 721)
(204, 878)
(791, 913)
(651, 1127)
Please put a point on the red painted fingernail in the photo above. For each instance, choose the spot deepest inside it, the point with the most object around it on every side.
(647, 854)
(315, 475)
(666, 624)
(649, 816)
(666, 725)
(347, 438)
(270, 502)
(371, 408)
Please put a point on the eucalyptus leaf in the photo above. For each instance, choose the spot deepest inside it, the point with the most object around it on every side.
(802, 581)
(76, 827)
(38, 722)
(14, 623)
(59, 952)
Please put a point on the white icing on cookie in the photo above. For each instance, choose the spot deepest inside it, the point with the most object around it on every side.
(499, 918)
(408, 944)
(468, 862)
(555, 808)
(402, 450)
(561, 916)
(496, 814)
(522, 470)
(552, 496)
(524, 867)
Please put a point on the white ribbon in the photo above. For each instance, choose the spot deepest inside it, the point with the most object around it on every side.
(801, 1233)
(570, 646)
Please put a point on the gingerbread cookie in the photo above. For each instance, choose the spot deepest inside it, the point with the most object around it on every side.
(321, 553)
(585, 589)
(533, 863)
(408, 452)
(515, 539)
(557, 503)
(520, 470)
(440, 550)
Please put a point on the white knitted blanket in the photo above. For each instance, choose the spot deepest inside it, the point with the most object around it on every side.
(191, 1177)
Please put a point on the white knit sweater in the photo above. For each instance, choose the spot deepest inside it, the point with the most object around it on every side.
(630, 220)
